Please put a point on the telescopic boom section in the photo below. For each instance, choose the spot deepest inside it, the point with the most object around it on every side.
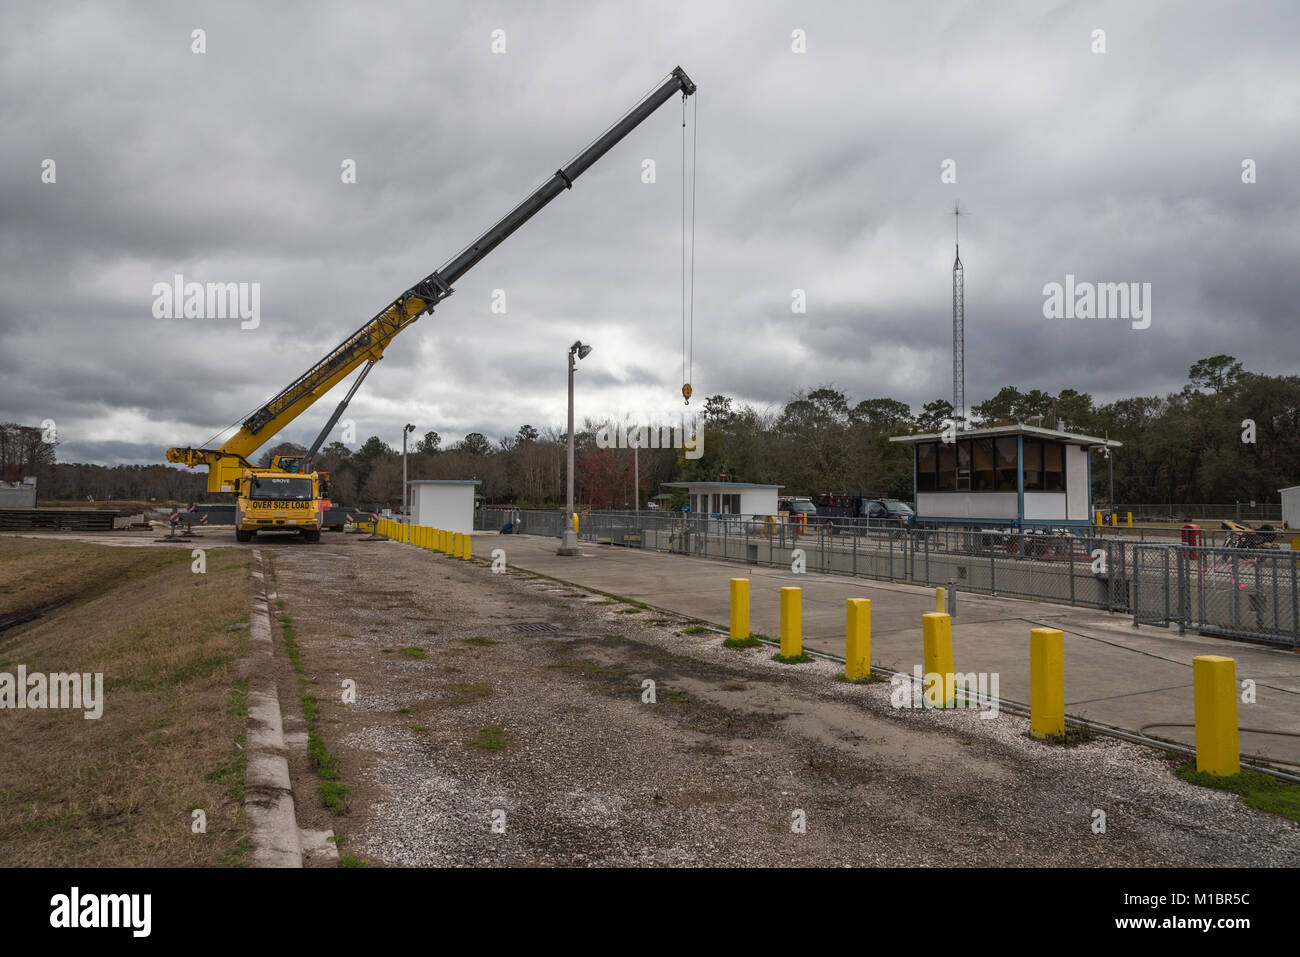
(367, 344)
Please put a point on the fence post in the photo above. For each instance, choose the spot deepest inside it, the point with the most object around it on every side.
(1214, 683)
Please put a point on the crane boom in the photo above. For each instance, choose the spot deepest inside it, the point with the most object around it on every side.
(367, 344)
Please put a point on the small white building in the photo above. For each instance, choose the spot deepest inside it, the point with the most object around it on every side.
(1013, 475)
(730, 498)
(444, 503)
(1291, 508)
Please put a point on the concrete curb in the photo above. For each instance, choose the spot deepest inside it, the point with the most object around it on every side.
(268, 795)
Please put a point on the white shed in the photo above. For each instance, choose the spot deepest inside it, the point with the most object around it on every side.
(1291, 508)
(444, 503)
(730, 498)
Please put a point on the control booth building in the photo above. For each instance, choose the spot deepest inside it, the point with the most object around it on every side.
(1004, 476)
(730, 498)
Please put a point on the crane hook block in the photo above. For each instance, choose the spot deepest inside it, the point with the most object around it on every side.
(686, 392)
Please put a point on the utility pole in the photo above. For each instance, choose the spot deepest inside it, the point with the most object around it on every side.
(958, 327)
(570, 540)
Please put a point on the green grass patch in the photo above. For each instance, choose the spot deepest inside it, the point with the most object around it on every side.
(333, 794)
(1072, 737)
(696, 630)
(799, 659)
(291, 643)
(750, 642)
(490, 739)
(480, 642)
(412, 652)
(405, 710)
(347, 860)
(870, 678)
(1260, 791)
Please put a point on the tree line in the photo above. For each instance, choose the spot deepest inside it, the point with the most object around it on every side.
(1228, 435)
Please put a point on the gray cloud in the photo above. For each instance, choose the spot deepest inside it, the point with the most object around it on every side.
(818, 172)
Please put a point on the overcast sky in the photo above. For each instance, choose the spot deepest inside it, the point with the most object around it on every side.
(818, 171)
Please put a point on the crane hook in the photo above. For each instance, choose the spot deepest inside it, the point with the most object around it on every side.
(686, 392)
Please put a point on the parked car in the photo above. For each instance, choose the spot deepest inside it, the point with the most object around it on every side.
(887, 513)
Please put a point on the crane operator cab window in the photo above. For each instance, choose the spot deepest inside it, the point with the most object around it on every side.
(274, 488)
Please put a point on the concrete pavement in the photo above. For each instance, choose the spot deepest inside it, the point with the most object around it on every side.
(1136, 679)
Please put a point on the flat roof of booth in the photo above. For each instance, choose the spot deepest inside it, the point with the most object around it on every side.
(445, 482)
(1073, 438)
(717, 484)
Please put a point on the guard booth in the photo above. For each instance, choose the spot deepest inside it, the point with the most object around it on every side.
(444, 503)
(724, 499)
(1009, 476)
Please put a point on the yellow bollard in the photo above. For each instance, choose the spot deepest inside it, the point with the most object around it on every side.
(464, 544)
(575, 521)
(857, 638)
(1046, 683)
(1130, 519)
(791, 623)
(1096, 518)
(446, 542)
(1214, 684)
(936, 631)
(426, 538)
(941, 600)
(740, 608)
(455, 544)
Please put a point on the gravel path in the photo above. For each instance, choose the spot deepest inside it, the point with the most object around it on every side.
(480, 744)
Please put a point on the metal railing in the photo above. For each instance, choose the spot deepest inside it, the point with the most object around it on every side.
(1237, 512)
(1241, 592)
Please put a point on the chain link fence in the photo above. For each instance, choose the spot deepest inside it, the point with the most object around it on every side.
(1240, 592)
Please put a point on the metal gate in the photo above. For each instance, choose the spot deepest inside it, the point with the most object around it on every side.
(1158, 582)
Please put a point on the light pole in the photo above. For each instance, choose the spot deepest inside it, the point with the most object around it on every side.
(405, 432)
(570, 541)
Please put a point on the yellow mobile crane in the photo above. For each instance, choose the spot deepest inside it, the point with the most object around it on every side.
(287, 496)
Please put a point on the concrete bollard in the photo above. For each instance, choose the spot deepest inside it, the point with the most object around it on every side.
(936, 633)
(1214, 684)
(857, 638)
(464, 545)
(791, 622)
(1046, 683)
(740, 608)
(941, 600)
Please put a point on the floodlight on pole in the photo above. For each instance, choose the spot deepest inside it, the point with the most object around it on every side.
(570, 540)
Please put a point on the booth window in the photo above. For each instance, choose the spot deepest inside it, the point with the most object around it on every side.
(1033, 450)
(963, 465)
(1008, 465)
(925, 467)
(731, 505)
(982, 465)
(947, 479)
(1053, 467)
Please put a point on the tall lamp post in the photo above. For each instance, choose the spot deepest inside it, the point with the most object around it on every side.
(405, 432)
(570, 542)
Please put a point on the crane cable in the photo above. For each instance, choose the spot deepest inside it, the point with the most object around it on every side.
(688, 302)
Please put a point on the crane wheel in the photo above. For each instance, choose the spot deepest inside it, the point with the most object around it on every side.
(243, 536)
